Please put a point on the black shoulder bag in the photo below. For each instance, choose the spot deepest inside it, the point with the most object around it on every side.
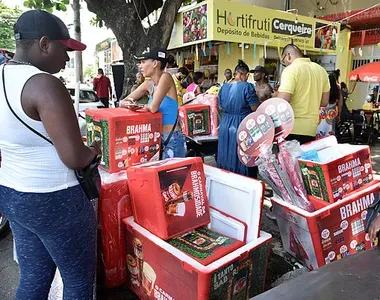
(88, 177)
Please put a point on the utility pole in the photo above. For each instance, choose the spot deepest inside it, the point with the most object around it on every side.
(77, 35)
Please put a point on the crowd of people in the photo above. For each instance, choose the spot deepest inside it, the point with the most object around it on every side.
(53, 223)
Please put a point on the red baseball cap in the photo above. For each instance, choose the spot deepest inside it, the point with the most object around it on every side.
(35, 24)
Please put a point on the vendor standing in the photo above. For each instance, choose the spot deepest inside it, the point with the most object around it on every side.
(237, 99)
(305, 85)
(162, 98)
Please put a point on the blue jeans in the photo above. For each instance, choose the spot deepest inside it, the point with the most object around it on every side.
(52, 230)
(176, 146)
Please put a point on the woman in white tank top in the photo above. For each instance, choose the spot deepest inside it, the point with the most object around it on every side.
(52, 221)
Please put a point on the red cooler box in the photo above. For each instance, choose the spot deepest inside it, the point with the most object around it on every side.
(330, 233)
(212, 101)
(128, 138)
(195, 119)
(114, 205)
(157, 270)
(169, 196)
(346, 168)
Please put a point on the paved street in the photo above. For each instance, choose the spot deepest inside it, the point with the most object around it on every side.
(281, 266)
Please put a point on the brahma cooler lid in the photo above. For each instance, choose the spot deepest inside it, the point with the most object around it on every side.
(238, 196)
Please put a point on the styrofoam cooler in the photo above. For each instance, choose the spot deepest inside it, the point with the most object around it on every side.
(157, 270)
(127, 137)
(332, 232)
(212, 101)
(345, 168)
(169, 196)
(238, 196)
(114, 205)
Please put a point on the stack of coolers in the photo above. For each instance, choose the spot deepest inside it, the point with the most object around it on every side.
(127, 138)
(340, 184)
(195, 232)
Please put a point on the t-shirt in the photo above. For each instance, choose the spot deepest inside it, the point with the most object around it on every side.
(103, 85)
(180, 90)
(306, 81)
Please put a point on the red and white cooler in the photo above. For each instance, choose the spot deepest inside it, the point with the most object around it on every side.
(344, 169)
(212, 101)
(195, 119)
(332, 232)
(157, 270)
(114, 205)
(127, 137)
(169, 196)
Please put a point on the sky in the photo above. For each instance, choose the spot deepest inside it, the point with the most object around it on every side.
(88, 31)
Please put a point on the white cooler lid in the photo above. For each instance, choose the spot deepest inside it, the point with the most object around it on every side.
(239, 196)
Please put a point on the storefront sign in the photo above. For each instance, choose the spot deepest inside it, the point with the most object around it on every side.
(104, 45)
(221, 20)
(236, 22)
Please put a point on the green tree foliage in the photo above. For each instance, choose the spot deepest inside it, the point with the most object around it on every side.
(48, 5)
(8, 17)
(89, 72)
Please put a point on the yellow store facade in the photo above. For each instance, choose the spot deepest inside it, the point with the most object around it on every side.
(214, 34)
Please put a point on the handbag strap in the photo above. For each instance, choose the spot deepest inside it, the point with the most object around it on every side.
(171, 132)
(17, 117)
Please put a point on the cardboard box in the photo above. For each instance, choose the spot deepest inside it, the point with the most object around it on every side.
(330, 233)
(157, 270)
(169, 197)
(114, 205)
(205, 245)
(128, 138)
(212, 101)
(195, 119)
(334, 178)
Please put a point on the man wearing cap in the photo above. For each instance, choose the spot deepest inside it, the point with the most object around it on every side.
(263, 89)
(52, 221)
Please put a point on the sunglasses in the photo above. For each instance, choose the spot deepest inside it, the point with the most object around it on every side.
(282, 60)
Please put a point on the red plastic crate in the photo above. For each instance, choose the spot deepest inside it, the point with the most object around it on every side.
(212, 101)
(169, 197)
(195, 119)
(114, 205)
(128, 138)
(334, 180)
(157, 270)
(330, 233)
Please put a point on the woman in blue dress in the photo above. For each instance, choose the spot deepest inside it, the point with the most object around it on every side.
(237, 99)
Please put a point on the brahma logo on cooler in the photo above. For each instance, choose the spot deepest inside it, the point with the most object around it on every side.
(356, 206)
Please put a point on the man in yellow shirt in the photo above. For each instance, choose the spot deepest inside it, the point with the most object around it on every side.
(305, 85)
(178, 78)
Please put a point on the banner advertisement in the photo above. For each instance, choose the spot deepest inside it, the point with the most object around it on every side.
(225, 21)
(241, 23)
